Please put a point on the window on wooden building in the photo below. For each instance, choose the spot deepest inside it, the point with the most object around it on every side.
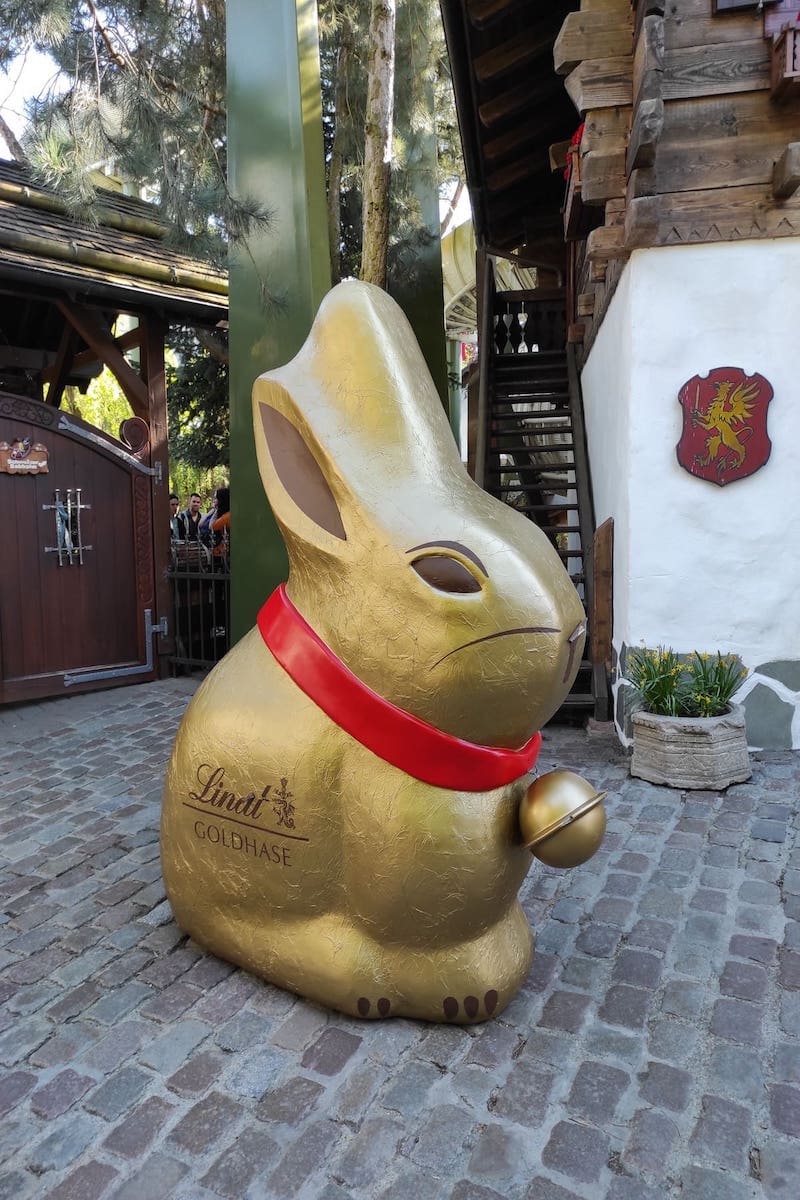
(776, 16)
(723, 6)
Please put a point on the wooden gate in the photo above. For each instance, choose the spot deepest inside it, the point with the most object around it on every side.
(77, 597)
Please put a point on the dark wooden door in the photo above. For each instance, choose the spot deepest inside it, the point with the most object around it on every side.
(76, 562)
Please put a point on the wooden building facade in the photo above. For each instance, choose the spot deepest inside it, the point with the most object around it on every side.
(645, 157)
(84, 535)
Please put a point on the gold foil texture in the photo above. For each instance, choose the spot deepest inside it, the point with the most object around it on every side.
(287, 846)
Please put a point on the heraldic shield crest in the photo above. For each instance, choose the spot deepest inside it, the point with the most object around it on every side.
(724, 425)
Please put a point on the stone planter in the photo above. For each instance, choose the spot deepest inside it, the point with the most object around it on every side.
(691, 752)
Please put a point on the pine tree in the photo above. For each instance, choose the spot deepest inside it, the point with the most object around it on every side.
(145, 95)
(420, 67)
(197, 399)
(378, 129)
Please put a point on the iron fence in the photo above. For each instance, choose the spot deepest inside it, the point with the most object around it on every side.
(201, 592)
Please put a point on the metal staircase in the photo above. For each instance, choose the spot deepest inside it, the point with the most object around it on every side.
(531, 449)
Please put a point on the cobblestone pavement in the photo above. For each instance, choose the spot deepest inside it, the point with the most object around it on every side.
(653, 1054)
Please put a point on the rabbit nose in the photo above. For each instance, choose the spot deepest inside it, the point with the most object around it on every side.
(572, 642)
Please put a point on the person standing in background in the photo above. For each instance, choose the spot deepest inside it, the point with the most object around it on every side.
(177, 528)
(192, 517)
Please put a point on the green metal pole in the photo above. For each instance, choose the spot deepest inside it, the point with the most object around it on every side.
(275, 156)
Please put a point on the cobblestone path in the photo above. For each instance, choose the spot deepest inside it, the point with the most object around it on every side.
(654, 1053)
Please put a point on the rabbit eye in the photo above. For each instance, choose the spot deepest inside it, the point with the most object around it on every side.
(445, 574)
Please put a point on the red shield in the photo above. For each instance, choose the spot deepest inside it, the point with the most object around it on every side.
(724, 425)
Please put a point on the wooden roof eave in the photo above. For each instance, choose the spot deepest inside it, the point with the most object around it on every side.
(46, 281)
(85, 256)
(506, 129)
(455, 23)
(124, 259)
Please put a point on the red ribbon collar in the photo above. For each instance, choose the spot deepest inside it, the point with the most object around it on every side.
(396, 736)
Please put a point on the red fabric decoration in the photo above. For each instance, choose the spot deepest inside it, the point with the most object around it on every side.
(574, 145)
(394, 735)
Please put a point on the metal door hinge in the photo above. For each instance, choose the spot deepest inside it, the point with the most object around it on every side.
(161, 628)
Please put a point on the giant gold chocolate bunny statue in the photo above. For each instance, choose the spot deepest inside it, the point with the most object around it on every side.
(348, 810)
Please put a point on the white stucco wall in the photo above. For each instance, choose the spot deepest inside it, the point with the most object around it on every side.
(697, 566)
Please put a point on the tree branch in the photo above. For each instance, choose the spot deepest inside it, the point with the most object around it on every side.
(8, 136)
(116, 57)
(214, 348)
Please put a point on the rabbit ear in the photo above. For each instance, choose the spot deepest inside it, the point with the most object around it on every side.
(297, 475)
(299, 471)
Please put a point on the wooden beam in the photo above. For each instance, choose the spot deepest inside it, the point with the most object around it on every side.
(731, 116)
(691, 165)
(510, 176)
(518, 99)
(99, 340)
(602, 176)
(601, 84)
(716, 70)
(605, 6)
(648, 123)
(153, 380)
(87, 357)
(591, 35)
(648, 60)
(512, 54)
(602, 614)
(484, 12)
(606, 129)
(557, 154)
(605, 243)
(24, 359)
(62, 366)
(712, 215)
(615, 210)
(695, 26)
(786, 175)
(643, 221)
(517, 139)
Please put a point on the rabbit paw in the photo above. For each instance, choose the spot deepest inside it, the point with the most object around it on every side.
(472, 1006)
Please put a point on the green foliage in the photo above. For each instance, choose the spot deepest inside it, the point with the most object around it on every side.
(184, 478)
(104, 405)
(701, 687)
(140, 89)
(197, 412)
(197, 401)
(145, 96)
(713, 682)
(422, 75)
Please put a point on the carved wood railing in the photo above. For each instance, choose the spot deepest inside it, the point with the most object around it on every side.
(525, 322)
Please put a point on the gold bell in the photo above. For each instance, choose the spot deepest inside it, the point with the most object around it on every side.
(562, 819)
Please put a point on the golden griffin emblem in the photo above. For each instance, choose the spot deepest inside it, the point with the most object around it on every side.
(724, 425)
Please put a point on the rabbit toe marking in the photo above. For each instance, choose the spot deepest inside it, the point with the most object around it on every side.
(364, 1005)
(471, 1005)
